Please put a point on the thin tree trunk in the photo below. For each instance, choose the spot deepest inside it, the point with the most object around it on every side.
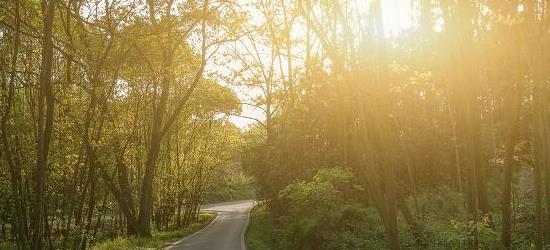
(19, 226)
(513, 104)
(45, 124)
(100, 215)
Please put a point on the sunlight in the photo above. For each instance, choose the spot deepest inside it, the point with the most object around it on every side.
(397, 16)
(274, 124)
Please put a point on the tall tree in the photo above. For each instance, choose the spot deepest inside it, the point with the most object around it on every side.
(44, 117)
(159, 126)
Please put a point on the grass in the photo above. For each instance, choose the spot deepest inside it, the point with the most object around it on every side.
(158, 240)
(259, 234)
(8, 246)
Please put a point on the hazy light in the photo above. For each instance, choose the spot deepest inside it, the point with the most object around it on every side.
(396, 15)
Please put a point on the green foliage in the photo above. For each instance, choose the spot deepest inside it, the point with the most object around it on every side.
(442, 212)
(8, 246)
(259, 234)
(230, 183)
(320, 217)
(444, 201)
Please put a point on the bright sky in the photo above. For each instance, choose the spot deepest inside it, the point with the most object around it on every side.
(244, 123)
(397, 16)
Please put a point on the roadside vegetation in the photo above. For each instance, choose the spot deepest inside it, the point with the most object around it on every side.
(108, 240)
(158, 240)
(259, 234)
(329, 212)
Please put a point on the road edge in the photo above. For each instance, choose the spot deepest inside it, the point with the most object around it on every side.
(245, 229)
(197, 232)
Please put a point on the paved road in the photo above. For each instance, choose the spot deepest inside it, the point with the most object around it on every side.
(226, 232)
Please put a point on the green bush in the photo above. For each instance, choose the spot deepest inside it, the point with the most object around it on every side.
(319, 215)
(324, 213)
(259, 234)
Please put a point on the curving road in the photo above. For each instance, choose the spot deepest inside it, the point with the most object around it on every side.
(225, 232)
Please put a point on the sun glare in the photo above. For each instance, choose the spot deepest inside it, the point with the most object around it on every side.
(397, 16)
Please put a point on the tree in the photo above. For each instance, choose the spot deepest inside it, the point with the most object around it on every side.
(45, 117)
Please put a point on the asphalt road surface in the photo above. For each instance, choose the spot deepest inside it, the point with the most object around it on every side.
(225, 232)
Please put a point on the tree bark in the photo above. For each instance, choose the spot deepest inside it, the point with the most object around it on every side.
(45, 124)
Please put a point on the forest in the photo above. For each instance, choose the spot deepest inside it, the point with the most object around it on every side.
(352, 124)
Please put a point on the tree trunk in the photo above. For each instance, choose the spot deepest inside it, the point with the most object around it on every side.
(45, 124)
(533, 39)
(160, 127)
(513, 104)
(146, 200)
(123, 198)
